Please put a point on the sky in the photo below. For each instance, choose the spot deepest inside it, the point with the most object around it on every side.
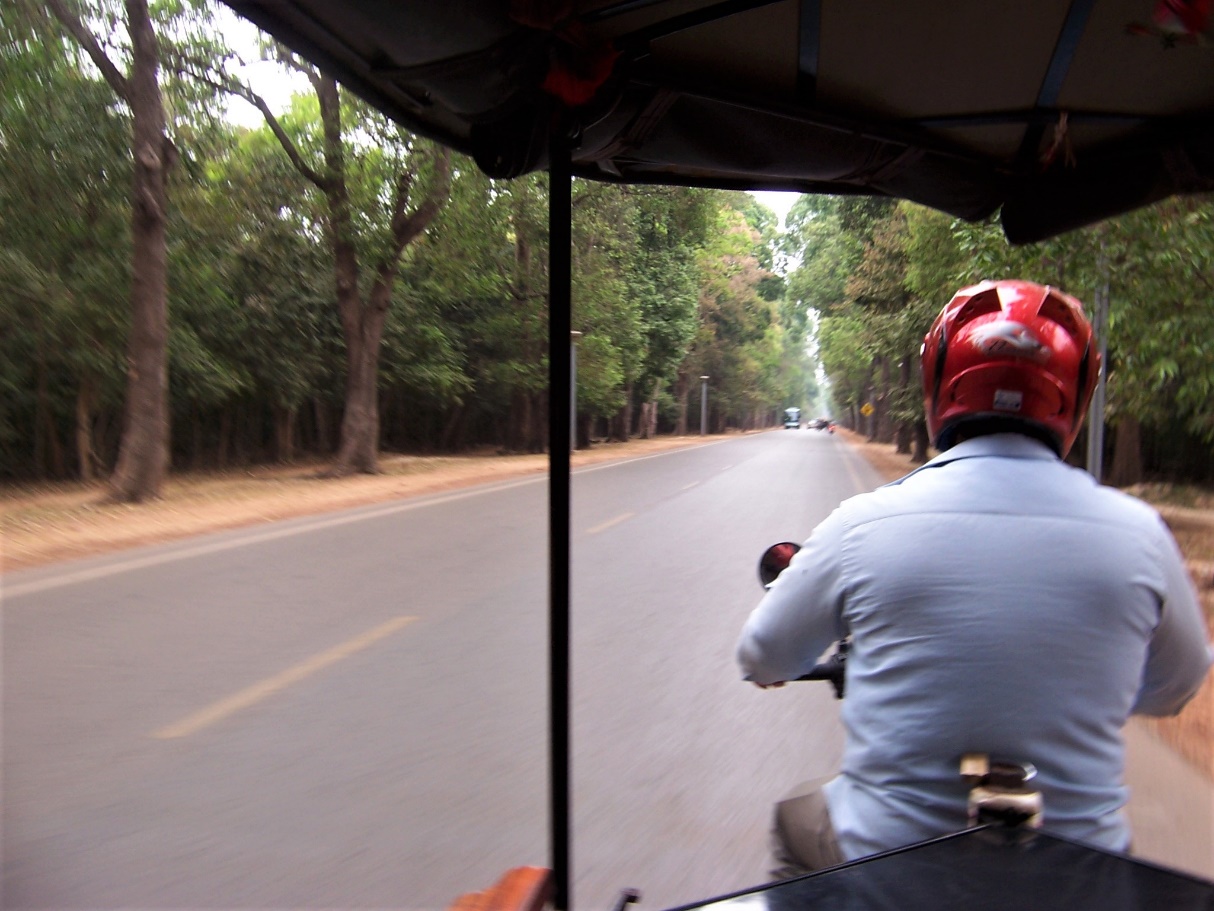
(779, 203)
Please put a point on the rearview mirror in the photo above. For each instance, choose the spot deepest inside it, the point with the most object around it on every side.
(775, 560)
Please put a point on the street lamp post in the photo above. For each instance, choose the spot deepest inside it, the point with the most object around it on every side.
(573, 337)
(1100, 326)
(703, 405)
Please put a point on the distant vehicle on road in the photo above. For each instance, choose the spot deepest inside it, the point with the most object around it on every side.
(792, 418)
(820, 424)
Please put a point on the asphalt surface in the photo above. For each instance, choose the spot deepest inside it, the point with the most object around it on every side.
(349, 711)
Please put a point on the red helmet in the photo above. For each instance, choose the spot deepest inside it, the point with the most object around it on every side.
(1009, 355)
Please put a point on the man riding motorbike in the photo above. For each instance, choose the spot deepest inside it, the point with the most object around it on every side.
(997, 601)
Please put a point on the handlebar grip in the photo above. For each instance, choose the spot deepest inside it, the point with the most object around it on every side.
(833, 670)
(824, 671)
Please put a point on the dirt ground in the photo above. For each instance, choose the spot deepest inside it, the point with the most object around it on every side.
(41, 525)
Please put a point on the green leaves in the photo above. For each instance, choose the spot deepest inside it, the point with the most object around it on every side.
(878, 278)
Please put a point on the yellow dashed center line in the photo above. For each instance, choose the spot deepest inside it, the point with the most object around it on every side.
(605, 525)
(217, 711)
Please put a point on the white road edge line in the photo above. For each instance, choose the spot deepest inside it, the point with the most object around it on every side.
(242, 540)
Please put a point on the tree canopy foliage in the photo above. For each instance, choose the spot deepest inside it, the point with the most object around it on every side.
(324, 265)
(877, 274)
(281, 238)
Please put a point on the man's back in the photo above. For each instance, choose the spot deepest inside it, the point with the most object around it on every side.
(999, 602)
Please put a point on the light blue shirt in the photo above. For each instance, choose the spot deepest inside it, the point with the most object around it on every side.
(1000, 602)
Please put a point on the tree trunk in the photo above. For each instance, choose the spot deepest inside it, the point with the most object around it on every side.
(1127, 454)
(86, 458)
(904, 432)
(514, 437)
(617, 427)
(198, 447)
(40, 406)
(883, 424)
(621, 424)
(324, 430)
(143, 456)
(683, 393)
(224, 447)
(239, 437)
(539, 424)
(646, 421)
(284, 434)
(902, 438)
(363, 324)
(359, 448)
(647, 424)
(453, 429)
(919, 456)
(48, 453)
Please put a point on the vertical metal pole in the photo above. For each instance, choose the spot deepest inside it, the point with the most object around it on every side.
(703, 405)
(560, 239)
(1100, 326)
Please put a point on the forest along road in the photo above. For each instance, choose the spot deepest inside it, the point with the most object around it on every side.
(349, 710)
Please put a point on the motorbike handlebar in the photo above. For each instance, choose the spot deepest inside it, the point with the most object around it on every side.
(773, 562)
(832, 669)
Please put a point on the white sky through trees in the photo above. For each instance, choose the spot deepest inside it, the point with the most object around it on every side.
(779, 203)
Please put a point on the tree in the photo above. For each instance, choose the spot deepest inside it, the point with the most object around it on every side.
(636, 282)
(143, 457)
(844, 351)
(1161, 335)
(382, 188)
(877, 287)
(605, 309)
(1157, 263)
(935, 270)
(64, 161)
(733, 326)
(490, 317)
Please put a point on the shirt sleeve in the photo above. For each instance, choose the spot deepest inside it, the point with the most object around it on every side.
(1179, 655)
(800, 616)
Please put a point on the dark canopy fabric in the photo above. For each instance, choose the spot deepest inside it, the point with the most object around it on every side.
(1055, 112)
(1058, 112)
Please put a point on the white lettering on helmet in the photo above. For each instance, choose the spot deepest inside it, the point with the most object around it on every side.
(1008, 400)
(1009, 339)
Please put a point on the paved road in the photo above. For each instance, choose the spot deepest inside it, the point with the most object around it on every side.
(349, 711)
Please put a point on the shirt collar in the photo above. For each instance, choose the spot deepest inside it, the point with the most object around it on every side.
(1001, 445)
